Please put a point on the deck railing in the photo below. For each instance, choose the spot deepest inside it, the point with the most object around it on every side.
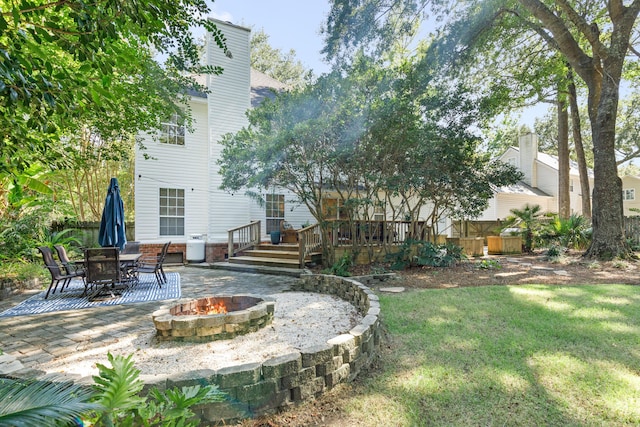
(243, 237)
(310, 241)
(378, 232)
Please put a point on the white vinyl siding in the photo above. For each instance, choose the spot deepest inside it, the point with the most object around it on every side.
(174, 166)
(630, 182)
(229, 101)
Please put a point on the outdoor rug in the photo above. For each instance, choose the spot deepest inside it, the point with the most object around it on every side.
(71, 299)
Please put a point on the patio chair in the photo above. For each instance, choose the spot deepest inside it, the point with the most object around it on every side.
(131, 248)
(289, 234)
(155, 265)
(56, 272)
(103, 269)
(75, 268)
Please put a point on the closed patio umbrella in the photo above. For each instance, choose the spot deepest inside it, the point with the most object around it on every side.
(112, 223)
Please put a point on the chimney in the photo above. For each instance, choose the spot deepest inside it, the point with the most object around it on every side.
(528, 156)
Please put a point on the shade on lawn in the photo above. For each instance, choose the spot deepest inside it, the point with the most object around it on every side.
(112, 223)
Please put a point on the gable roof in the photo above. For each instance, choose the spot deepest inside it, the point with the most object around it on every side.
(263, 86)
(521, 188)
(552, 162)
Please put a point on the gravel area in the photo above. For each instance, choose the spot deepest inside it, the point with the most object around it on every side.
(301, 319)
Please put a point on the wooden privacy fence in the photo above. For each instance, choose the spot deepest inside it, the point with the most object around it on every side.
(87, 231)
(632, 229)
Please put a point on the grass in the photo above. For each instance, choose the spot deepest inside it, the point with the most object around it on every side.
(509, 355)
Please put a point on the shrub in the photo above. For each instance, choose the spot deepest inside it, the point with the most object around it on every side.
(114, 401)
(341, 267)
(417, 252)
(530, 221)
(573, 232)
(489, 264)
(20, 271)
(554, 253)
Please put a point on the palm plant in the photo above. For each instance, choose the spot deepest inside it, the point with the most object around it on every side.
(117, 391)
(572, 232)
(114, 401)
(50, 402)
(530, 221)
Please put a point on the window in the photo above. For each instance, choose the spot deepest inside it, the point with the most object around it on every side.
(571, 186)
(171, 212)
(275, 211)
(629, 194)
(512, 161)
(173, 131)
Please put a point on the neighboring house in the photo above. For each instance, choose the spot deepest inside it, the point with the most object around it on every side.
(539, 184)
(177, 182)
(631, 195)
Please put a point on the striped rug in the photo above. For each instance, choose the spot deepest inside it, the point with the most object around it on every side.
(72, 299)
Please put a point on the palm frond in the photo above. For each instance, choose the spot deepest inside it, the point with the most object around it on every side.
(42, 402)
(117, 387)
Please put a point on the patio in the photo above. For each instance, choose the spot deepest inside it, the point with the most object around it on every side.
(284, 376)
(40, 338)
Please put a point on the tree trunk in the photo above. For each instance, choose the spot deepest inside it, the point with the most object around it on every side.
(564, 202)
(608, 240)
(585, 186)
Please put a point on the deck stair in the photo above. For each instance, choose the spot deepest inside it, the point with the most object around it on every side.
(284, 255)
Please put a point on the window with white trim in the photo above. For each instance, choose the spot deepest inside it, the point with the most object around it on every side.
(172, 212)
(274, 211)
(571, 186)
(173, 130)
(629, 194)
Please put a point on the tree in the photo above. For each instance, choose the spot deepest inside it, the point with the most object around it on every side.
(595, 42)
(529, 221)
(371, 138)
(59, 58)
(283, 67)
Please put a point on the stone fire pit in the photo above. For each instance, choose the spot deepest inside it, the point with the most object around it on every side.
(213, 318)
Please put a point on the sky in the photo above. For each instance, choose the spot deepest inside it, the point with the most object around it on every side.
(290, 24)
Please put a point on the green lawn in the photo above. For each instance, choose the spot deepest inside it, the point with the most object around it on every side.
(506, 355)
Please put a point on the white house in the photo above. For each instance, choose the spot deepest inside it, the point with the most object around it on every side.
(539, 184)
(631, 195)
(177, 182)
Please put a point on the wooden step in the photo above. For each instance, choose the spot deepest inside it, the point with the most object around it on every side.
(280, 247)
(261, 253)
(273, 262)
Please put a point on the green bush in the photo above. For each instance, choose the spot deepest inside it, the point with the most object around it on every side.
(20, 271)
(489, 264)
(341, 267)
(573, 232)
(114, 401)
(420, 253)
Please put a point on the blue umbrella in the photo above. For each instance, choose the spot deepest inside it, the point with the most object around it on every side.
(112, 223)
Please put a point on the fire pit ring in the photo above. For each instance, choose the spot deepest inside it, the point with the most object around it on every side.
(213, 318)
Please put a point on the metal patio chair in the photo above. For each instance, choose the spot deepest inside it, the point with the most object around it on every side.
(155, 265)
(56, 272)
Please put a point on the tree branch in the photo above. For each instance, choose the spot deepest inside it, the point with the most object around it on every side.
(582, 63)
(41, 7)
(591, 32)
